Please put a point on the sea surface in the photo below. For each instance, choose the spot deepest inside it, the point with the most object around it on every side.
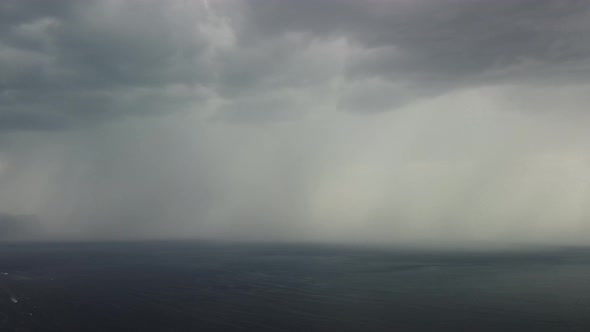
(193, 286)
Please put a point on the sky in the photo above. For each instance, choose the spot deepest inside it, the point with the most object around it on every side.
(379, 121)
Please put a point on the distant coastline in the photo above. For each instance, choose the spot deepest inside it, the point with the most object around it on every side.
(19, 227)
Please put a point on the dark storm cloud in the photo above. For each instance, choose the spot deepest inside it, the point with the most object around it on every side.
(447, 39)
(436, 46)
(70, 63)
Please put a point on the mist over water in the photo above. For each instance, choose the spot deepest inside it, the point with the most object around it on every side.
(411, 176)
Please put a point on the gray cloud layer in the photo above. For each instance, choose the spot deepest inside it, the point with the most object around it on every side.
(341, 120)
(69, 63)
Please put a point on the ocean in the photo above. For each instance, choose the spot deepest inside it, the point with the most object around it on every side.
(204, 286)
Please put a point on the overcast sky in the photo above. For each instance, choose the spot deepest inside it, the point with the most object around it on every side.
(381, 121)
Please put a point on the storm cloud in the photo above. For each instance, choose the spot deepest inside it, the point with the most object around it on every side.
(399, 122)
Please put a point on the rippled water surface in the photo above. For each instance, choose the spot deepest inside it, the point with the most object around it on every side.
(186, 286)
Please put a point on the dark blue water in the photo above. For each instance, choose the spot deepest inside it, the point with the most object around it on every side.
(187, 286)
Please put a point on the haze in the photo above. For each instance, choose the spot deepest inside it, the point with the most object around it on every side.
(396, 122)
